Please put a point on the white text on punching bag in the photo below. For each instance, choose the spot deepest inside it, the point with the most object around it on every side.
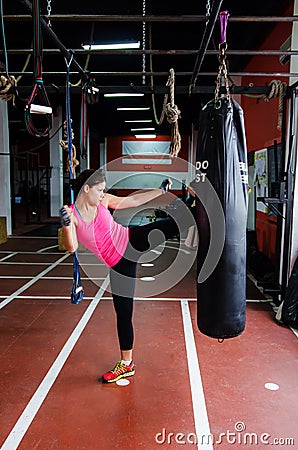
(201, 176)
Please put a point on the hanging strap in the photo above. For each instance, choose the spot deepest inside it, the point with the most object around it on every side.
(84, 125)
(77, 292)
(223, 17)
(38, 102)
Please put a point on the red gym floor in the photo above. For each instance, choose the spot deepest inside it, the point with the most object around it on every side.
(189, 391)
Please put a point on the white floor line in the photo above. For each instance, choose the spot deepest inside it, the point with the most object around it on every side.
(41, 263)
(165, 299)
(157, 252)
(48, 297)
(27, 416)
(17, 277)
(177, 248)
(82, 254)
(32, 237)
(83, 264)
(27, 285)
(30, 253)
(46, 248)
(258, 300)
(198, 399)
(25, 263)
(71, 278)
(8, 256)
(63, 297)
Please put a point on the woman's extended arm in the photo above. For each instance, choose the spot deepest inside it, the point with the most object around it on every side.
(132, 201)
(137, 199)
(70, 240)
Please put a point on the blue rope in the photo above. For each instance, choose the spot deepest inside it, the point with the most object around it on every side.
(77, 292)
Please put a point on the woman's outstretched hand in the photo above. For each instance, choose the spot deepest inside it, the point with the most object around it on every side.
(166, 185)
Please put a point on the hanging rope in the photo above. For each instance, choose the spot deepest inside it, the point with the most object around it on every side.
(24, 67)
(278, 89)
(7, 88)
(172, 113)
(38, 102)
(7, 82)
(77, 292)
(72, 161)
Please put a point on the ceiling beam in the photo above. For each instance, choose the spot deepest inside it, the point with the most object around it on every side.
(163, 74)
(180, 90)
(152, 18)
(82, 51)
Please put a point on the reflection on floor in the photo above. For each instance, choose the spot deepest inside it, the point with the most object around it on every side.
(189, 390)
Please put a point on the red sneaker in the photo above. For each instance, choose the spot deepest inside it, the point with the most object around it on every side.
(119, 371)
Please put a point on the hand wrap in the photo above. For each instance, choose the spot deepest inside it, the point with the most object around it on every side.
(64, 217)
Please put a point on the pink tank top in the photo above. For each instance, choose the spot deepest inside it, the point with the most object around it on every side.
(104, 237)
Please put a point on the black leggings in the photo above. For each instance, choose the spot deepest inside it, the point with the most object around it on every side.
(123, 274)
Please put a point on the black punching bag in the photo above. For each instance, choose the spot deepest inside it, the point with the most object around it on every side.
(221, 185)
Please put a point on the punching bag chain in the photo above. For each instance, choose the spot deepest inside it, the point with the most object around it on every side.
(222, 76)
(49, 10)
(144, 43)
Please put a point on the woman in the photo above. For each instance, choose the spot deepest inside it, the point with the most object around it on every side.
(90, 222)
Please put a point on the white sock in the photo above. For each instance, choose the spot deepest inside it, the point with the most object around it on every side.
(127, 363)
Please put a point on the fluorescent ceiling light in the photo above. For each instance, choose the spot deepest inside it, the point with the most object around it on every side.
(140, 120)
(118, 46)
(133, 109)
(142, 129)
(119, 94)
(145, 136)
